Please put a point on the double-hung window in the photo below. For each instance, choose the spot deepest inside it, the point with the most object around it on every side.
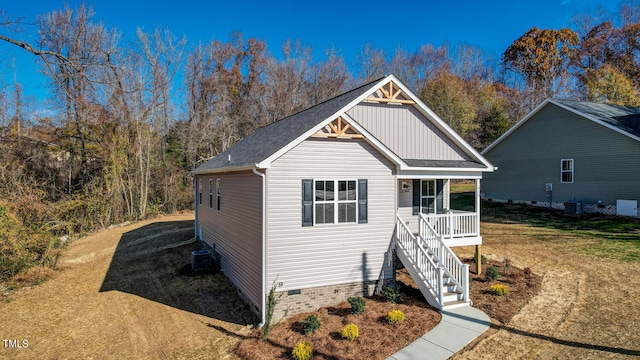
(218, 193)
(566, 170)
(324, 201)
(210, 193)
(347, 201)
(428, 196)
(334, 201)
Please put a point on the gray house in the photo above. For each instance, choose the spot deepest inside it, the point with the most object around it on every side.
(577, 156)
(316, 204)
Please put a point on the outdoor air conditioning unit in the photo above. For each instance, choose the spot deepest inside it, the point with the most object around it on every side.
(201, 260)
(573, 208)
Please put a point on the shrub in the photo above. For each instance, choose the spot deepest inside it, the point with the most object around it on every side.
(392, 294)
(507, 262)
(500, 289)
(491, 273)
(395, 316)
(527, 271)
(357, 304)
(483, 259)
(302, 351)
(349, 331)
(310, 324)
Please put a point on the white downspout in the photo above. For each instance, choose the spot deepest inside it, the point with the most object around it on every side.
(195, 206)
(264, 250)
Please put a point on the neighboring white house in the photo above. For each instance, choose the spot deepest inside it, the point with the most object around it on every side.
(316, 204)
(571, 155)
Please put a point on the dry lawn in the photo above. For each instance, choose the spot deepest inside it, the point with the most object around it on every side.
(123, 294)
(588, 306)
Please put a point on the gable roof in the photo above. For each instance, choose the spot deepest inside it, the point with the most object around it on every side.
(269, 142)
(622, 119)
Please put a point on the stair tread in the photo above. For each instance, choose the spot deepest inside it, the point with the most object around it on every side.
(455, 302)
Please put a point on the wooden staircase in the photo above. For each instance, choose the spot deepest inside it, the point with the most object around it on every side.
(441, 277)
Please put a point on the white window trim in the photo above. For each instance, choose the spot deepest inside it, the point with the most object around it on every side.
(572, 171)
(336, 202)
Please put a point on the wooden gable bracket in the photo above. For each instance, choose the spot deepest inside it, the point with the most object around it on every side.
(338, 128)
(390, 92)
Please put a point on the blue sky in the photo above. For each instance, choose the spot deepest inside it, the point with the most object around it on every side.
(343, 25)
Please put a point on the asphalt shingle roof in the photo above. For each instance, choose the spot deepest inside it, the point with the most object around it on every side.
(269, 139)
(625, 118)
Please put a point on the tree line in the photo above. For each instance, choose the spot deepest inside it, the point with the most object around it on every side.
(129, 118)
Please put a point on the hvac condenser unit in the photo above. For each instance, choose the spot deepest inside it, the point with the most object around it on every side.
(201, 260)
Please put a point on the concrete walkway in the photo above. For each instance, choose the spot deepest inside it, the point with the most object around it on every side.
(457, 328)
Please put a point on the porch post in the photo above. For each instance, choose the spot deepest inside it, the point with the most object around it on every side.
(478, 259)
(478, 207)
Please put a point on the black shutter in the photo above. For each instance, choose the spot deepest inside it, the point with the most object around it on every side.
(439, 196)
(307, 202)
(416, 196)
(362, 201)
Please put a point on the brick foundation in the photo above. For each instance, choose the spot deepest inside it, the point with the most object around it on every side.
(290, 303)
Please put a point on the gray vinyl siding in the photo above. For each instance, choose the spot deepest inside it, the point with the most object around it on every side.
(326, 254)
(236, 230)
(406, 132)
(606, 163)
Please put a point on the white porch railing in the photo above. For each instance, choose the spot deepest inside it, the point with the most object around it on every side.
(453, 223)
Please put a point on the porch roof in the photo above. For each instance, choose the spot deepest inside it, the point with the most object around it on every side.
(462, 164)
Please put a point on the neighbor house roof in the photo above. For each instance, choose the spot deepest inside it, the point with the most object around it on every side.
(268, 142)
(622, 119)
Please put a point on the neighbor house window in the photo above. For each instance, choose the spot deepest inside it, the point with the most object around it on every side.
(210, 193)
(334, 201)
(218, 192)
(566, 171)
(200, 191)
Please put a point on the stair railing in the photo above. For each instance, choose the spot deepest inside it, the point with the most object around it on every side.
(453, 267)
(431, 273)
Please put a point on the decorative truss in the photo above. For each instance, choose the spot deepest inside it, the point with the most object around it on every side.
(338, 128)
(390, 93)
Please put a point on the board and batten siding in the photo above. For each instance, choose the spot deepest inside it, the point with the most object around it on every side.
(406, 132)
(236, 230)
(606, 163)
(327, 254)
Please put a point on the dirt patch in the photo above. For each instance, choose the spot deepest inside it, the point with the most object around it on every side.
(377, 338)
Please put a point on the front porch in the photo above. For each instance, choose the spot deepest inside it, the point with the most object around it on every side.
(436, 202)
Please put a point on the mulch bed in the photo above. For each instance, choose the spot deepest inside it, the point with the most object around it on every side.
(377, 338)
(522, 287)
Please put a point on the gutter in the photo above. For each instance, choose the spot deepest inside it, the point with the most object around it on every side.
(264, 260)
